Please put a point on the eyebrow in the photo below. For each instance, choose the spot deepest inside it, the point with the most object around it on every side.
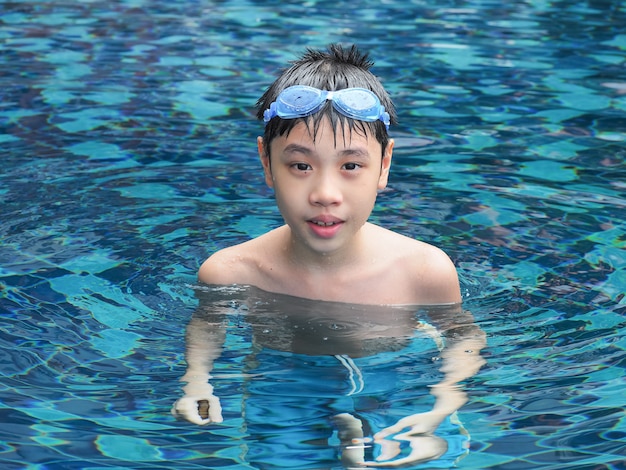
(296, 148)
(357, 152)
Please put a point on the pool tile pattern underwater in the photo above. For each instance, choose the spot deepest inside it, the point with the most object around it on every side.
(128, 142)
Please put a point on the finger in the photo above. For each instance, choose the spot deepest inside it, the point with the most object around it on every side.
(416, 456)
(394, 429)
(215, 410)
(389, 449)
(390, 463)
(195, 419)
(423, 448)
(187, 408)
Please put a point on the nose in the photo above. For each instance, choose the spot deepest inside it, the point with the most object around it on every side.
(325, 191)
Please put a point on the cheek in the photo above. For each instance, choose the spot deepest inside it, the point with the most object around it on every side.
(364, 198)
(285, 195)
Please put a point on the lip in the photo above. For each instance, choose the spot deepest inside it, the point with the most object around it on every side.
(325, 226)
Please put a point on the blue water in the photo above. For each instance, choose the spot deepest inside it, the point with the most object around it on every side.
(128, 156)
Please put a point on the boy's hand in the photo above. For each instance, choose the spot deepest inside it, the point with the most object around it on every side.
(420, 423)
(199, 405)
(423, 449)
(424, 446)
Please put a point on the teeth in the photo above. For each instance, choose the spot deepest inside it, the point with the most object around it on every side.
(323, 224)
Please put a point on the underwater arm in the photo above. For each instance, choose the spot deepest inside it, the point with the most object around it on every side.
(461, 360)
(204, 344)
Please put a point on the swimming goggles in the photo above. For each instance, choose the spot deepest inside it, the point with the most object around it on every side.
(300, 101)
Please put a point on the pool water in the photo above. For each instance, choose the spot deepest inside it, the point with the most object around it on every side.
(128, 144)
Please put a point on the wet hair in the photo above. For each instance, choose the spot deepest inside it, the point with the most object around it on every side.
(331, 70)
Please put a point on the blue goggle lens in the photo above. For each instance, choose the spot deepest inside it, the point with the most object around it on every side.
(301, 101)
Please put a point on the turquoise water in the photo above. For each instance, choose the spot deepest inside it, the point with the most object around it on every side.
(129, 156)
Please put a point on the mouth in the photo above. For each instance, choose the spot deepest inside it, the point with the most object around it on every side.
(325, 227)
(319, 223)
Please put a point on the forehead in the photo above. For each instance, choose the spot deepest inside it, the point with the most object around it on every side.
(322, 131)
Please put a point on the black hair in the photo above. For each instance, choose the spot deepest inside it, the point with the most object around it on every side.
(334, 69)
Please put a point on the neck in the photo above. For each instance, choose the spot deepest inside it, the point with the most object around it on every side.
(305, 259)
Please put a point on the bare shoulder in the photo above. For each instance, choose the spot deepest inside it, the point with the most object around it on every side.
(238, 264)
(222, 267)
(427, 268)
(435, 274)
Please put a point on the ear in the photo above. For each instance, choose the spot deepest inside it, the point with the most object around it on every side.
(265, 161)
(386, 165)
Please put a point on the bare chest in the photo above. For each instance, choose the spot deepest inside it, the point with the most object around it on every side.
(359, 287)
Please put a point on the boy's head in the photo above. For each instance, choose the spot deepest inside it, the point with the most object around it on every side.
(332, 70)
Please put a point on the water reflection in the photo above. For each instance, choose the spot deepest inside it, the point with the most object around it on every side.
(369, 385)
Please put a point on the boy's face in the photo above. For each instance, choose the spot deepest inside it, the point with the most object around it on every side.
(326, 189)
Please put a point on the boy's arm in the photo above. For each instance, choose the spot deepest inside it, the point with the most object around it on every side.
(204, 344)
(461, 360)
(204, 340)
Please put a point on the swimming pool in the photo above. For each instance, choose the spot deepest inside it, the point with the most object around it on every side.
(128, 149)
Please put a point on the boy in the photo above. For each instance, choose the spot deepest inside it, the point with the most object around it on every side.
(327, 155)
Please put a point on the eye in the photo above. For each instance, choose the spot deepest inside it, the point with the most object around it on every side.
(351, 166)
(301, 166)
